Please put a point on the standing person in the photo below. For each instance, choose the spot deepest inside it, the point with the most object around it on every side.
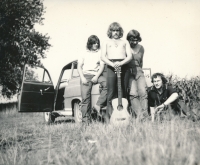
(115, 53)
(161, 96)
(90, 68)
(137, 83)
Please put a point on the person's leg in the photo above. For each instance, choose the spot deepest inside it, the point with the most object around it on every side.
(174, 110)
(111, 91)
(125, 81)
(86, 99)
(142, 92)
(134, 97)
(103, 95)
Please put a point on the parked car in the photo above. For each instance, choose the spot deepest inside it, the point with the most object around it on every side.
(37, 93)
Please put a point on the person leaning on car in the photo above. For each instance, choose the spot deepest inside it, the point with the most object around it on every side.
(161, 96)
(90, 68)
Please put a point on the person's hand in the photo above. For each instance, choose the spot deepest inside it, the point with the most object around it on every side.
(94, 79)
(84, 81)
(117, 64)
(160, 108)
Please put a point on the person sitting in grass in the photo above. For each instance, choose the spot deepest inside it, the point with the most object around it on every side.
(162, 97)
(90, 68)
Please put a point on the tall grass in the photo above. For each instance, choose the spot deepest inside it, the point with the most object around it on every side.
(25, 139)
(189, 94)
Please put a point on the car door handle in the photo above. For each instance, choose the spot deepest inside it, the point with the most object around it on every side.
(41, 91)
(46, 89)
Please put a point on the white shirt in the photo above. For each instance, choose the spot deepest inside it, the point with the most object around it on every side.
(91, 62)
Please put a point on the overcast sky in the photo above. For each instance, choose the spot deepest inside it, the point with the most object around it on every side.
(170, 31)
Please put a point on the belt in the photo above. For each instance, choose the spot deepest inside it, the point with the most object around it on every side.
(114, 60)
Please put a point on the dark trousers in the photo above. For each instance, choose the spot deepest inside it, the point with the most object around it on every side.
(86, 96)
(112, 87)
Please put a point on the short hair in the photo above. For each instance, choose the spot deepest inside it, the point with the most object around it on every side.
(135, 34)
(115, 26)
(155, 75)
(92, 40)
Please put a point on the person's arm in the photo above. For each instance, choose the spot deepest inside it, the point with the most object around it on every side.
(152, 106)
(171, 99)
(142, 52)
(152, 111)
(104, 53)
(95, 78)
(80, 71)
(128, 56)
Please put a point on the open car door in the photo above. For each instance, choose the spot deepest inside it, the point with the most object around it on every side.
(37, 90)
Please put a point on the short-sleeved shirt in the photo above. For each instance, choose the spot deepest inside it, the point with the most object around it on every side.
(156, 99)
(91, 62)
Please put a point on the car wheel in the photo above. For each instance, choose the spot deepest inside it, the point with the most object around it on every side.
(77, 112)
(48, 117)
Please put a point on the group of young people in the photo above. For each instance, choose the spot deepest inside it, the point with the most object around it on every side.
(127, 55)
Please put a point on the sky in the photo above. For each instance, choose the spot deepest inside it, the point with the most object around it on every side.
(170, 31)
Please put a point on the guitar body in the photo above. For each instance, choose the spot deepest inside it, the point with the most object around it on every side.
(120, 117)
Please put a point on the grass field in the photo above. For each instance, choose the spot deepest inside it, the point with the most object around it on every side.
(26, 140)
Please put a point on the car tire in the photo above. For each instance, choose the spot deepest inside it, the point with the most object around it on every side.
(77, 112)
(49, 118)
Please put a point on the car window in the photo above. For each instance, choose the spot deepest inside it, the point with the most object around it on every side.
(36, 74)
(66, 75)
(75, 73)
(75, 70)
(47, 78)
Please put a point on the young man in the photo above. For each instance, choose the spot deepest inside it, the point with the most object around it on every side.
(137, 82)
(161, 96)
(115, 53)
(90, 68)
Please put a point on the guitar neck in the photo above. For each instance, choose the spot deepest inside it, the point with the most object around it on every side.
(119, 88)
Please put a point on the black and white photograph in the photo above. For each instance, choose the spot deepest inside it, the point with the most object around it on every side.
(97, 82)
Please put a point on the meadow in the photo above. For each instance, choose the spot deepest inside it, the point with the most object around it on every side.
(26, 140)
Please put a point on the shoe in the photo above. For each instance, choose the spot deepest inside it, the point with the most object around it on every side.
(97, 110)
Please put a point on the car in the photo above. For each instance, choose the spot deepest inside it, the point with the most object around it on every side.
(37, 93)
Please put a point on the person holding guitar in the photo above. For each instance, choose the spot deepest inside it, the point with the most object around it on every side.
(115, 53)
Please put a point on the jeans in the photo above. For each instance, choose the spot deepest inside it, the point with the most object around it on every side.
(86, 96)
(138, 94)
(113, 90)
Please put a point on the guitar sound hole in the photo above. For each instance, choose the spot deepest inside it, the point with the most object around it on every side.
(120, 107)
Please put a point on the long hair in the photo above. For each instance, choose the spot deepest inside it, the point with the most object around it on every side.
(115, 26)
(92, 40)
(155, 75)
(135, 34)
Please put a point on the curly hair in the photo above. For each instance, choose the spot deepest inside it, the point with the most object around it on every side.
(115, 26)
(155, 75)
(92, 40)
(135, 34)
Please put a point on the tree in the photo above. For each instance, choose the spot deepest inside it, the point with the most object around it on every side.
(20, 43)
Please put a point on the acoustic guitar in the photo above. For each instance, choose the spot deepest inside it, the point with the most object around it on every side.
(120, 115)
